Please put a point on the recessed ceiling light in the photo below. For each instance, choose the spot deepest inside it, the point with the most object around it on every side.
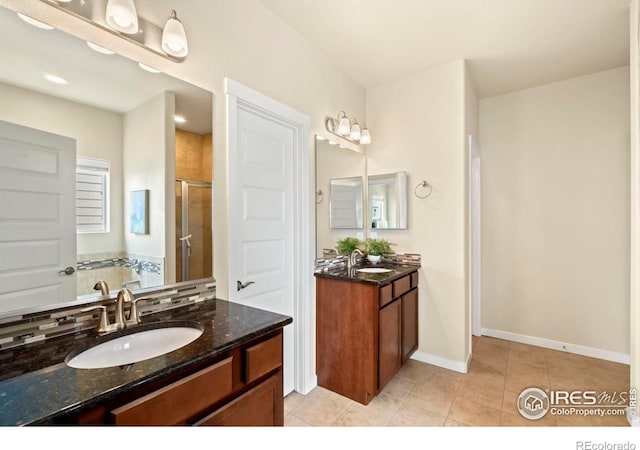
(148, 68)
(57, 79)
(179, 119)
(35, 23)
(99, 49)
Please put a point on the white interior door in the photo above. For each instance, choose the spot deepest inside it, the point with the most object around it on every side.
(264, 262)
(37, 218)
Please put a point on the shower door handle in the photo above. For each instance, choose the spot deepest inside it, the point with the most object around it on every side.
(186, 239)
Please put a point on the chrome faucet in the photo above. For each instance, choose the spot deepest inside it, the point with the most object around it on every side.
(124, 295)
(353, 258)
(103, 287)
(121, 321)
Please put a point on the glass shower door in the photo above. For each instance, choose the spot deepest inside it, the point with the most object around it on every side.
(194, 240)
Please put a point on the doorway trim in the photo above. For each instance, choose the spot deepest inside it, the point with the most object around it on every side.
(247, 98)
(475, 251)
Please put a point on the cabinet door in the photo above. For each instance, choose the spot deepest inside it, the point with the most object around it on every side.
(261, 406)
(409, 324)
(389, 342)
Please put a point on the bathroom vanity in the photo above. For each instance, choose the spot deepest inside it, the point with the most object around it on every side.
(230, 375)
(367, 327)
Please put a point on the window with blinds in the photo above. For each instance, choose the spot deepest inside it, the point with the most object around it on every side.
(92, 188)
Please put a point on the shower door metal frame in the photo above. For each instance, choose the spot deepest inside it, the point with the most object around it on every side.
(184, 187)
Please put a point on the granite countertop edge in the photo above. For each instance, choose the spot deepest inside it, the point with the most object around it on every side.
(352, 275)
(55, 411)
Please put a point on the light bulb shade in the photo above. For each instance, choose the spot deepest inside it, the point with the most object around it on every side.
(365, 137)
(355, 132)
(174, 39)
(122, 16)
(344, 128)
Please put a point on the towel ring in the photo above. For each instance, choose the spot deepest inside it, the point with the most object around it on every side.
(319, 197)
(424, 184)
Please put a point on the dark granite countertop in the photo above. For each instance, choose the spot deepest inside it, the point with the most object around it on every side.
(397, 271)
(37, 387)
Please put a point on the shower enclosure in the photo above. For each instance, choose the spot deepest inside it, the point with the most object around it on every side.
(194, 240)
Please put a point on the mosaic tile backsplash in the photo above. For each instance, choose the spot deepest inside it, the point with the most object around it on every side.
(332, 262)
(28, 328)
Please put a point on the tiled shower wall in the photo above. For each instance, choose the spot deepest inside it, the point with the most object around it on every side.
(116, 269)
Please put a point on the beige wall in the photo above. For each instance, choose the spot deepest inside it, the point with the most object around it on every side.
(98, 134)
(417, 124)
(148, 162)
(555, 211)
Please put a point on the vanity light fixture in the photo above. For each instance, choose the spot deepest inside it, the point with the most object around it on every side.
(365, 137)
(34, 22)
(119, 18)
(174, 38)
(56, 79)
(99, 49)
(122, 16)
(348, 129)
(148, 68)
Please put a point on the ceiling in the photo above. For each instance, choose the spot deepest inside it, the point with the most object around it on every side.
(109, 82)
(509, 44)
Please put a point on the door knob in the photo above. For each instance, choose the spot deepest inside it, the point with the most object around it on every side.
(242, 285)
(68, 271)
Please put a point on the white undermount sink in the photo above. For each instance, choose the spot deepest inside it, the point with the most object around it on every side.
(136, 346)
(374, 270)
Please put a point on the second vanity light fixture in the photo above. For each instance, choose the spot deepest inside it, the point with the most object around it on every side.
(348, 128)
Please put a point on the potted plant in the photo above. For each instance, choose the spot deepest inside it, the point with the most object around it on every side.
(347, 245)
(375, 248)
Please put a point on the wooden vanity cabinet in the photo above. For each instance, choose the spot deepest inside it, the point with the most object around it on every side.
(364, 333)
(243, 387)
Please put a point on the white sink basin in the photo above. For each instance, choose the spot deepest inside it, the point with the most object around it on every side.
(374, 270)
(137, 346)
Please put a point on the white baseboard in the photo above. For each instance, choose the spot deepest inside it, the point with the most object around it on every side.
(458, 366)
(592, 352)
(310, 384)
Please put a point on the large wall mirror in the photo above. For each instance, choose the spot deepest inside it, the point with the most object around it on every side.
(122, 121)
(340, 210)
(387, 201)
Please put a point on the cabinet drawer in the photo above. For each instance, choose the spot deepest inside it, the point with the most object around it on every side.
(386, 295)
(401, 286)
(414, 280)
(178, 402)
(263, 358)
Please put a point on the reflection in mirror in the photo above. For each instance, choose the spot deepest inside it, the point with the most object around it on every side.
(335, 163)
(346, 203)
(387, 200)
(121, 122)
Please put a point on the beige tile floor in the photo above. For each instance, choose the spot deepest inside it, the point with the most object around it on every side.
(424, 395)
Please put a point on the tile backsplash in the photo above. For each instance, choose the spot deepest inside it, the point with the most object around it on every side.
(33, 327)
(331, 261)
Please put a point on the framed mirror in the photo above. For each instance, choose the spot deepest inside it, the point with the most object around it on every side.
(340, 175)
(387, 201)
(121, 120)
